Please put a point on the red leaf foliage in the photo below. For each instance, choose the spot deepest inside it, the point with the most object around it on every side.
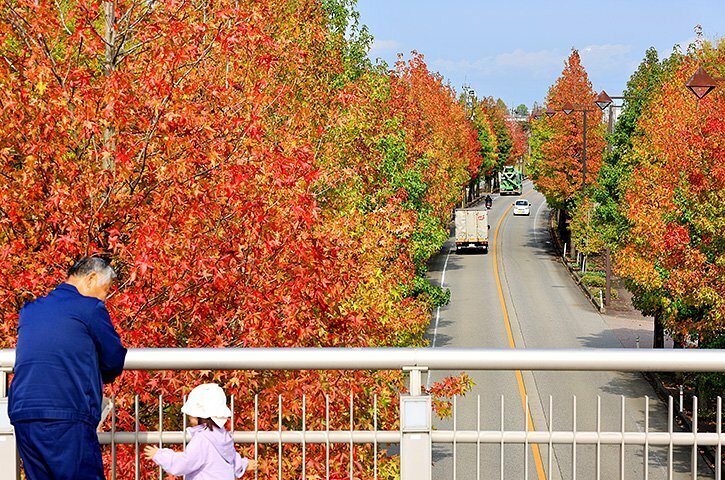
(238, 188)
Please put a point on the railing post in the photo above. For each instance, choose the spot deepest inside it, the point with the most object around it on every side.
(416, 458)
(8, 449)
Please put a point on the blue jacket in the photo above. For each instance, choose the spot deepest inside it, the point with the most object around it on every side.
(67, 349)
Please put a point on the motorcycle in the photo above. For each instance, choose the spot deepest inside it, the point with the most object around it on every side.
(489, 203)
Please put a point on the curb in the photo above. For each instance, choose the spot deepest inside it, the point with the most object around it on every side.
(707, 453)
(559, 250)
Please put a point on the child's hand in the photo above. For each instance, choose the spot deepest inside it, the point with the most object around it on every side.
(252, 465)
(150, 451)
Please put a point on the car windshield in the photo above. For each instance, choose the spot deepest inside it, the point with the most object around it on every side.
(522, 202)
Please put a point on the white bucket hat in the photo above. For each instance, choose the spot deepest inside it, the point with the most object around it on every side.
(208, 401)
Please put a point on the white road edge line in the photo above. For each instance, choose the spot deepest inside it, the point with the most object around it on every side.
(438, 311)
(536, 221)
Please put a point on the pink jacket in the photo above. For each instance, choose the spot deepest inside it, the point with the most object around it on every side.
(209, 455)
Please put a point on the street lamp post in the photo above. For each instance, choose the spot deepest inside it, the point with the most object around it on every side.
(604, 101)
(568, 109)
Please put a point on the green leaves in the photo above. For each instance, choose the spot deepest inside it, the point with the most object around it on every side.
(269, 186)
(661, 195)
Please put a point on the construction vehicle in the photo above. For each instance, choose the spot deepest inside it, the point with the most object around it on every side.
(510, 181)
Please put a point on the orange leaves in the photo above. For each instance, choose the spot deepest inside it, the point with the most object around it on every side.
(675, 199)
(257, 197)
(558, 143)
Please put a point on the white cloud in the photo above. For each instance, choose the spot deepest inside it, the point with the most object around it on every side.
(605, 57)
(542, 59)
(483, 66)
(379, 46)
(530, 63)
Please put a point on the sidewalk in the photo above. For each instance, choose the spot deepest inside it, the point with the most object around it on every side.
(627, 323)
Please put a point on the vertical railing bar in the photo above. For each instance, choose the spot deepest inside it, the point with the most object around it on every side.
(304, 435)
(137, 473)
(113, 437)
(327, 436)
(502, 430)
(646, 437)
(232, 408)
(478, 437)
(455, 430)
(352, 427)
(694, 443)
(621, 449)
(161, 430)
(670, 419)
(526, 437)
(183, 424)
(598, 454)
(279, 438)
(256, 432)
(551, 430)
(718, 429)
(375, 440)
(573, 444)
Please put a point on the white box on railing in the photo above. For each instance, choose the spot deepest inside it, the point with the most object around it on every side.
(8, 450)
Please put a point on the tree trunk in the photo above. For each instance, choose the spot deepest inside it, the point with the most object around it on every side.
(109, 133)
(659, 334)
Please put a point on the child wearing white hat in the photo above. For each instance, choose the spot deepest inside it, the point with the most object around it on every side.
(210, 453)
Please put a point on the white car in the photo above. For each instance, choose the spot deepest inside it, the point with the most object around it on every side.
(522, 207)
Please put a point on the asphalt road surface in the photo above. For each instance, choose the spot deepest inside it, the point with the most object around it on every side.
(545, 309)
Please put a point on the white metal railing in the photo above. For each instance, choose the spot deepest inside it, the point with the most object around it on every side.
(415, 443)
(609, 359)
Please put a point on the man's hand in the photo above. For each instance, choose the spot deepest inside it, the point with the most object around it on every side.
(150, 451)
(252, 465)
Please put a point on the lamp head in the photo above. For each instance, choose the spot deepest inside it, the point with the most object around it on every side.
(603, 100)
(701, 83)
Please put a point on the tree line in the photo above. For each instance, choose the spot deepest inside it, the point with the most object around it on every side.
(654, 194)
(255, 179)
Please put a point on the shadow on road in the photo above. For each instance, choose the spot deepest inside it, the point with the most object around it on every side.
(442, 340)
(611, 337)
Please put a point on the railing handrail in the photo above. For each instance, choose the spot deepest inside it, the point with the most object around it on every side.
(592, 359)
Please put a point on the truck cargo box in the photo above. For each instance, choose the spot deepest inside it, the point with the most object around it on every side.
(471, 228)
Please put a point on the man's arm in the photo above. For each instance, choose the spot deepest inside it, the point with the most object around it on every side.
(111, 354)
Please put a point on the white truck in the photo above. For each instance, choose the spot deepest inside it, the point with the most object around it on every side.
(471, 228)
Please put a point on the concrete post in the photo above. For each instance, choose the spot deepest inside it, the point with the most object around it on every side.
(416, 459)
(607, 276)
(8, 451)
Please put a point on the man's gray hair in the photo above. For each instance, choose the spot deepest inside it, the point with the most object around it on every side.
(87, 265)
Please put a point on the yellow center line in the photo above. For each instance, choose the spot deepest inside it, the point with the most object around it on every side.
(512, 344)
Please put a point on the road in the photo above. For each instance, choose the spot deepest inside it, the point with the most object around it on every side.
(545, 309)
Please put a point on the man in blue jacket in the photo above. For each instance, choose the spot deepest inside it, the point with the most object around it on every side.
(67, 349)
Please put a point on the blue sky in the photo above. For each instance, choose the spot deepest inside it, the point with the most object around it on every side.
(516, 49)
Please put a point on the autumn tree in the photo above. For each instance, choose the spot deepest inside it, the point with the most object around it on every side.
(557, 141)
(442, 147)
(497, 113)
(199, 146)
(674, 202)
(519, 142)
(610, 215)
